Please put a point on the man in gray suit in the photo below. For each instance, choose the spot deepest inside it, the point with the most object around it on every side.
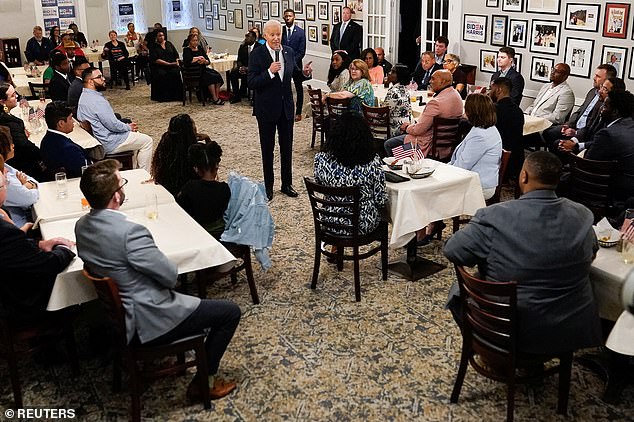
(556, 99)
(112, 246)
(544, 243)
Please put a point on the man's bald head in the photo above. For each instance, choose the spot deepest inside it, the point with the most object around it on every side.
(440, 79)
(541, 170)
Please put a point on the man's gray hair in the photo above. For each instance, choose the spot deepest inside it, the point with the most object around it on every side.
(271, 24)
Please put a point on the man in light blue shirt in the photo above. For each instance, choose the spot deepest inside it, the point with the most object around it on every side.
(114, 135)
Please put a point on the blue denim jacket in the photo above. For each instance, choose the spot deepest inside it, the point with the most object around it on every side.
(248, 220)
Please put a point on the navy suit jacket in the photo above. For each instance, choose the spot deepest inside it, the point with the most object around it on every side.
(273, 96)
(59, 151)
(297, 42)
(517, 81)
(58, 87)
(34, 51)
(351, 40)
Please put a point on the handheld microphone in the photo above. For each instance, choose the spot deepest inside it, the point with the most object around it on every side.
(277, 55)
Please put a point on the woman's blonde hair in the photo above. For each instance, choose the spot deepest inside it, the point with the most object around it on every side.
(363, 67)
(480, 110)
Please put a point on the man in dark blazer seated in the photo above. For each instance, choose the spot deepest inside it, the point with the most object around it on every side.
(295, 37)
(29, 267)
(347, 35)
(424, 69)
(270, 73)
(38, 48)
(587, 113)
(507, 70)
(58, 150)
(616, 140)
(112, 246)
(510, 124)
(58, 87)
(509, 241)
(238, 75)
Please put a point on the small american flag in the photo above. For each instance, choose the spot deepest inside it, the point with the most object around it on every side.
(627, 229)
(39, 113)
(407, 150)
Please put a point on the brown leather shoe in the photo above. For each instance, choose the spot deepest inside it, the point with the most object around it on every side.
(219, 390)
(298, 117)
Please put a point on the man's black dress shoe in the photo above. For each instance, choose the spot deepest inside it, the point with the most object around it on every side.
(235, 100)
(289, 191)
(269, 194)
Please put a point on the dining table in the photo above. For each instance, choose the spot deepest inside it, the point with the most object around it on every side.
(93, 54)
(222, 62)
(37, 130)
(177, 235)
(21, 79)
(448, 192)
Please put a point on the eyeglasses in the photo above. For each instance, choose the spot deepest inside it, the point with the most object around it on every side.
(125, 182)
(447, 61)
(98, 77)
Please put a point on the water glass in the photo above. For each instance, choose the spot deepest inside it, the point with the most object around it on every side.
(628, 251)
(151, 206)
(62, 185)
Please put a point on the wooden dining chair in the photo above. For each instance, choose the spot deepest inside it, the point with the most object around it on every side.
(336, 107)
(504, 162)
(490, 332)
(318, 111)
(126, 158)
(445, 138)
(336, 213)
(37, 89)
(191, 75)
(592, 184)
(378, 119)
(134, 356)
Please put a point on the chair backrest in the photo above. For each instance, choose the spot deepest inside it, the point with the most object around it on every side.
(36, 89)
(316, 105)
(592, 183)
(378, 118)
(445, 138)
(335, 209)
(108, 293)
(336, 107)
(489, 316)
(191, 75)
(504, 161)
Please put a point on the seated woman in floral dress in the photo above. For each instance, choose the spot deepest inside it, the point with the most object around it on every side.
(358, 88)
(397, 98)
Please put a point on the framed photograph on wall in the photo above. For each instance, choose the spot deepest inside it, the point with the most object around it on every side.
(632, 65)
(238, 19)
(301, 23)
(616, 17)
(540, 68)
(230, 16)
(209, 23)
(223, 4)
(512, 5)
(264, 11)
(249, 8)
(518, 33)
(298, 6)
(249, 24)
(545, 36)
(475, 28)
(325, 33)
(517, 62)
(578, 55)
(336, 14)
(222, 25)
(616, 56)
(312, 34)
(498, 29)
(493, 3)
(550, 7)
(215, 12)
(322, 10)
(201, 10)
(310, 12)
(582, 17)
(275, 9)
(207, 5)
(488, 61)
(234, 1)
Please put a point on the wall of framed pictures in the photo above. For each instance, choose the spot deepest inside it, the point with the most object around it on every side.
(582, 33)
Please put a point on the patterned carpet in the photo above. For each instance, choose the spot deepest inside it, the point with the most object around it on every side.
(305, 355)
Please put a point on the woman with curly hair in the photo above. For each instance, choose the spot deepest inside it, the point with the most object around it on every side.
(170, 167)
(347, 160)
(338, 73)
(371, 59)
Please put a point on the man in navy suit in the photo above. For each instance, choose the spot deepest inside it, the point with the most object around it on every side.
(57, 149)
(270, 73)
(58, 87)
(506, 55)
(295, 37)
(347, 35)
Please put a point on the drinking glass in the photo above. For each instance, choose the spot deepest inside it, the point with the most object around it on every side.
(62, 185)
(628, 251)
(151, 206)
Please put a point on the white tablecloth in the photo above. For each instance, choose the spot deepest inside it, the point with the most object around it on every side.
(607, 273)
(95, 56)
(176, 234)
(78, 135)
(224, 64)
(49, 208)
(21, 82)
(449, 192)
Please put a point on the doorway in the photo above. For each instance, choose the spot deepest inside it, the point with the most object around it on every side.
(408, 52)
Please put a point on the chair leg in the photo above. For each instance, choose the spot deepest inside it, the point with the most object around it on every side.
(116, 373)
(462, 370)
(135, 395)
(201, 282)
(312, 143)
(565, 368)
(14, 374)
(456, 224)
(202, 373)
(510, 400)
(71, 349)
(384, 251)
(357, 277)
(248, 269)
(340, 258)
(313, 284)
